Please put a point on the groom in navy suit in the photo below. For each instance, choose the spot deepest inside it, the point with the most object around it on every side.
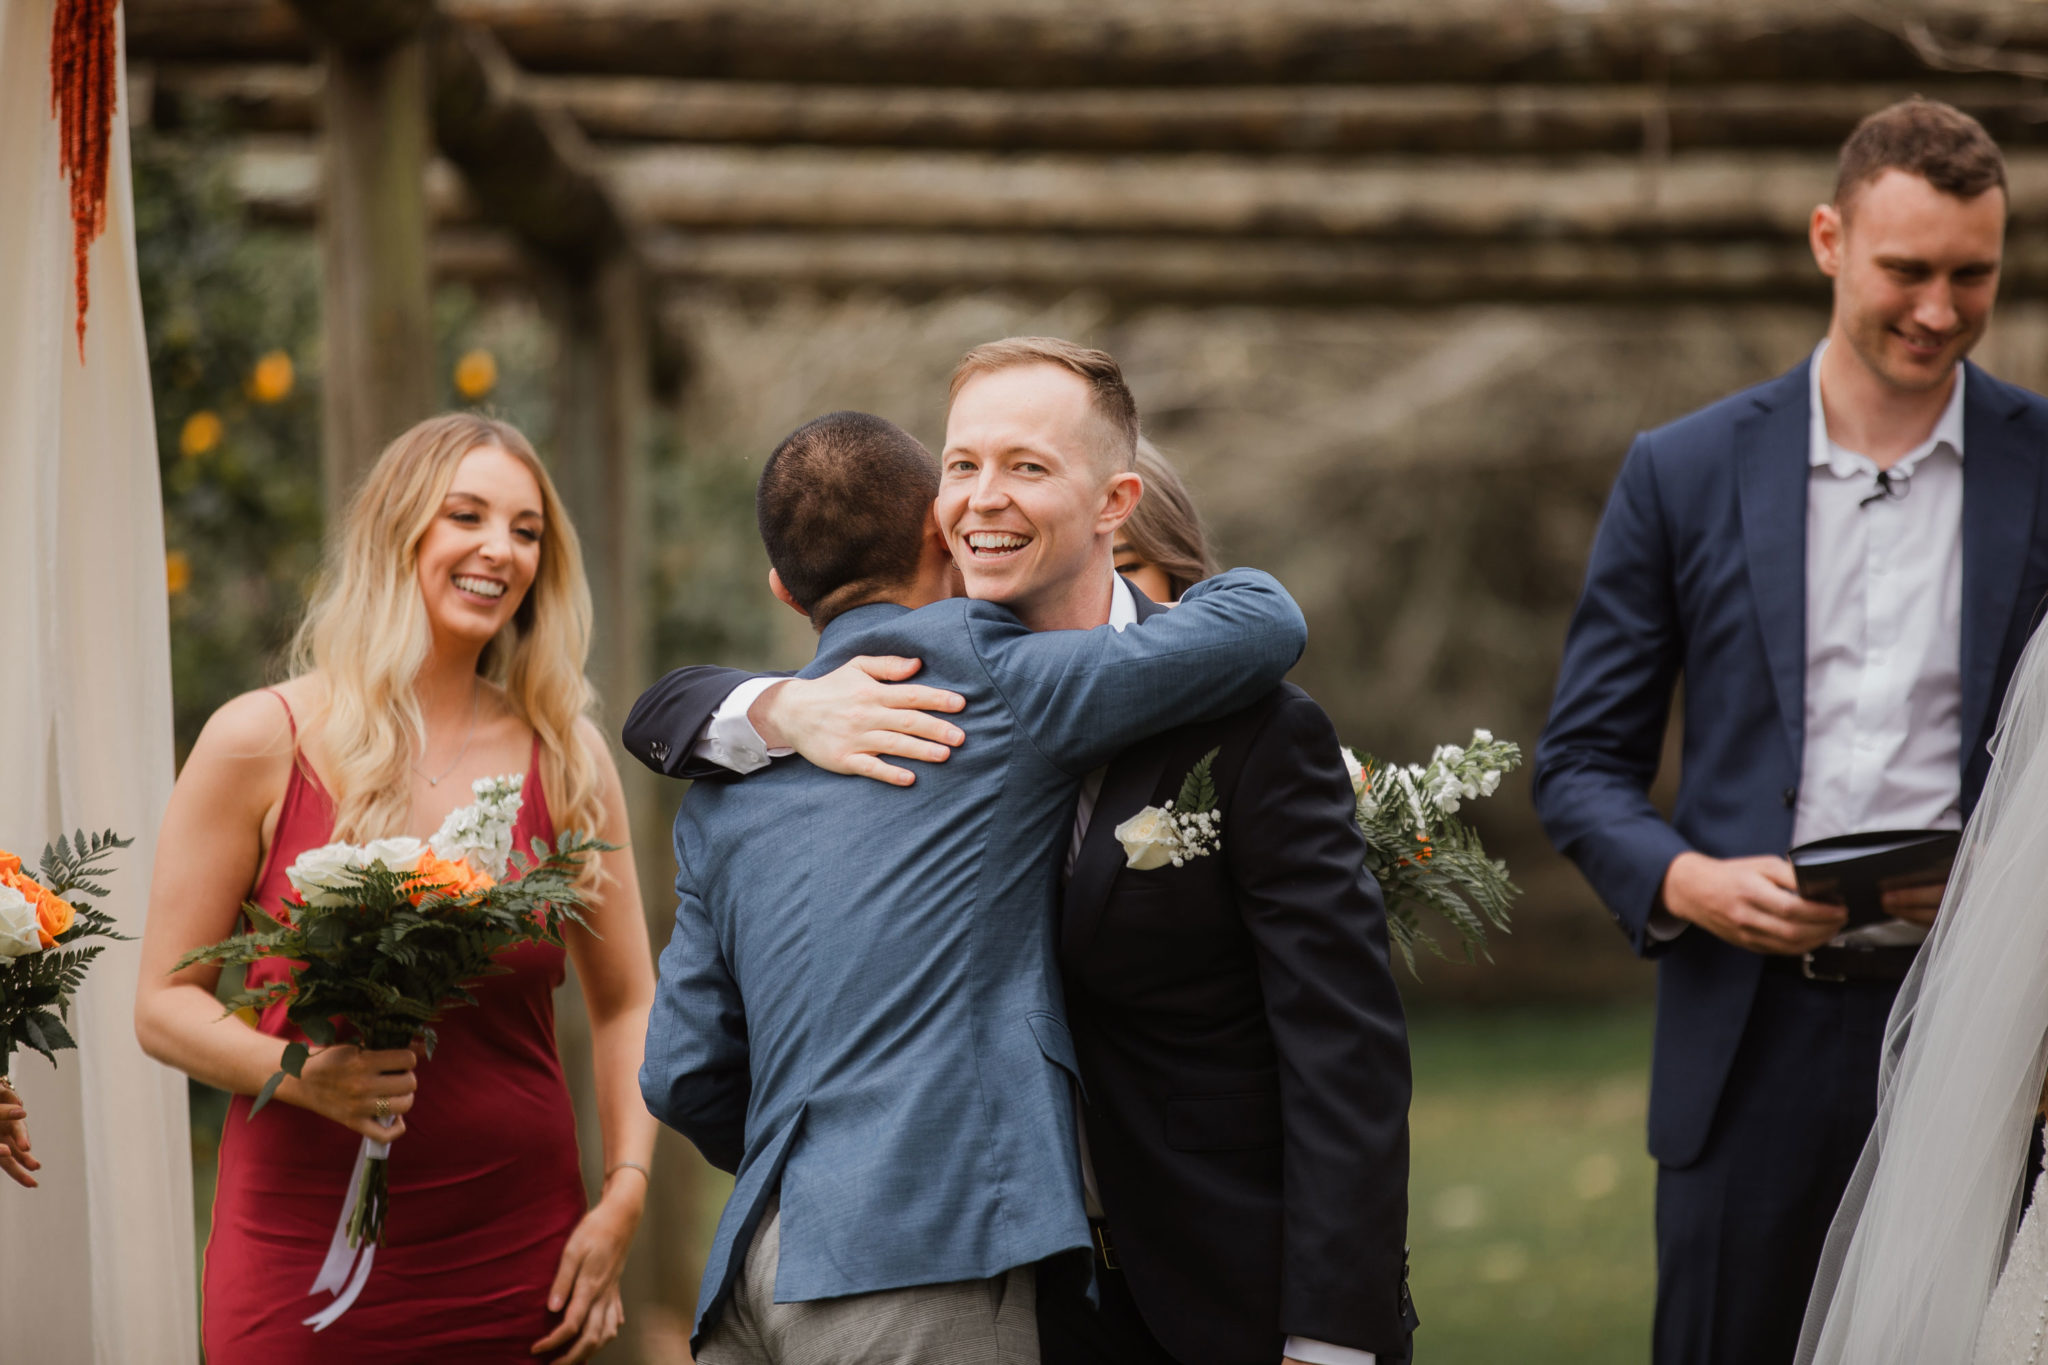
(1843, 565)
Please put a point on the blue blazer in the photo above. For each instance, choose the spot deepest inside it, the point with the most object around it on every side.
(1699, 571)
(860, 1004)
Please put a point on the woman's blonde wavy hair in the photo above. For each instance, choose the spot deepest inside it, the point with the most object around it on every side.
(366, 632)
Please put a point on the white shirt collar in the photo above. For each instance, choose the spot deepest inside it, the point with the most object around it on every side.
(1822, 452)
(1123, 607)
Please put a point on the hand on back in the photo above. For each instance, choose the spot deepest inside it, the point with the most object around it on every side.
(861, 713)
(1752, 903)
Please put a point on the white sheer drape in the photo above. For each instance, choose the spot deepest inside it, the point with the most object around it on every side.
(96, 1266)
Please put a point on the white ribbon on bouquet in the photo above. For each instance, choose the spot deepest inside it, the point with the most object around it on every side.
(334, 1275)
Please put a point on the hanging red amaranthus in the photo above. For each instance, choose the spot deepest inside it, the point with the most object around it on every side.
(83, 51)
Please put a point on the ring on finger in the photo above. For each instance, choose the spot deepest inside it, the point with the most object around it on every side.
(382, 1110)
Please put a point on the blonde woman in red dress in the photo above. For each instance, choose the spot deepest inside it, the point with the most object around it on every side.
(446, 643)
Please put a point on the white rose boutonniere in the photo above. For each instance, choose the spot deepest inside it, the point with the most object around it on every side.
(18, 932)
(325, 876)
(1149, 839)
(1189, 826)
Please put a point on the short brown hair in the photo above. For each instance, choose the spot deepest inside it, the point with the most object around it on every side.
(842, 506)
(1166, 531)
(1937, 142)
(1104, 377)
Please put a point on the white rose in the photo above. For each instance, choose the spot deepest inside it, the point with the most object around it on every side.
(1149, 839)
(18, 933)
(320, 875)
(1353, 767)
(397, 855)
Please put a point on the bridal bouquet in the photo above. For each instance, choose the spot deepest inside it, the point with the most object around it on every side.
(1426, 859)
(41, 923)
(382, 938)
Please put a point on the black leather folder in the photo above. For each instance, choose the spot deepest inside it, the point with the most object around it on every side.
(1855, 870)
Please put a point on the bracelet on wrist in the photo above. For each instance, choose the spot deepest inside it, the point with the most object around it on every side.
(618, 1166)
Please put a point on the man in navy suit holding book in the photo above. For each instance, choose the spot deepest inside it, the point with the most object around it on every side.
(1843, 565)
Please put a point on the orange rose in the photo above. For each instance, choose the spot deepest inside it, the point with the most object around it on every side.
(8, 862)
(445, 877)
(53, 916)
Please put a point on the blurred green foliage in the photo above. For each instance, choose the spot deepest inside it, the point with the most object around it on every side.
(708, 579)
(241, 477)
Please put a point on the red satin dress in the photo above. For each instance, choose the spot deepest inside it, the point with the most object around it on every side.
(485, 1185)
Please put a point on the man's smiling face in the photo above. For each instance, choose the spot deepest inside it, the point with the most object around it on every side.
(1916, 274)
(1029, 495)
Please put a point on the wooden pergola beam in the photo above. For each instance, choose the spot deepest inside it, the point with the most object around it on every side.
(365, 26)
(801, 190)
(1194, 271)
(1038, 44)
(1353, 120)
(375, 315)
(1703, 193)
(526, 164)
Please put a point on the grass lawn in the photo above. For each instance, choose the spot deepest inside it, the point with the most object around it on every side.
(1531, 1196)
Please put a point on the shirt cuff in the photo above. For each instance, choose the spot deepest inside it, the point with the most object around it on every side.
(730, 739)
(1323, 1353)
(1663, 926)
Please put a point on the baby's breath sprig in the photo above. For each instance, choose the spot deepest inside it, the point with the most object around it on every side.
(1424, 856)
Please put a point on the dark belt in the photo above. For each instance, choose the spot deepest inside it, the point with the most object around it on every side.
(1105, 1250)
(1888, 962)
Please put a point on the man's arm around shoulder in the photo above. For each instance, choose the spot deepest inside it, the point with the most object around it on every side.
(1085, 695)
(665, 729)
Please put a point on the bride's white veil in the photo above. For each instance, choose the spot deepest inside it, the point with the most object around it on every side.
(1922, 1233)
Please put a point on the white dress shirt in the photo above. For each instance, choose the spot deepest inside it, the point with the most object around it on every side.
(1884, 643)
(731, 741)
(1884, 640)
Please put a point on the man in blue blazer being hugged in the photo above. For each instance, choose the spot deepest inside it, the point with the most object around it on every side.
(859, 1012)
(1843, 565)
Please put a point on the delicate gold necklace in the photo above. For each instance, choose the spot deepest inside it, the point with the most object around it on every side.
(475, 691)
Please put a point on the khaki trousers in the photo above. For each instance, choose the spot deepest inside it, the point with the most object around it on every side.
(970, 1322)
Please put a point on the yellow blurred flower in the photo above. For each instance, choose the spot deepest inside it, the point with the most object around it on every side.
(476, 374)
(177, 572)
(202, 433)
(272, 380)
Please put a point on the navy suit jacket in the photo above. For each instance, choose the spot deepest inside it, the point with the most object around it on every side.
(1699, 571)
(1243, 1050)
(860, 1003)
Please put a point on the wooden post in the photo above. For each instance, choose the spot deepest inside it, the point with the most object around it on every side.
(379, 376)
(600, 319)
(600, 432)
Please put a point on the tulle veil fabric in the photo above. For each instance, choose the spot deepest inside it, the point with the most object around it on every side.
(1922, 1233)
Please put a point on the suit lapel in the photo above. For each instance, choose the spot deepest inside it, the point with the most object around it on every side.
(1999, 475)
(1126, 788)
(1127, 784)
(1773, 446)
